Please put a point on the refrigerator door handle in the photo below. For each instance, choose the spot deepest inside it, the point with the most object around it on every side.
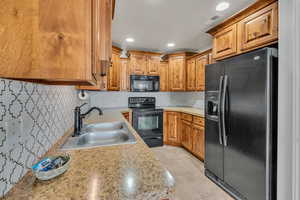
(219, 110)
(224, 91)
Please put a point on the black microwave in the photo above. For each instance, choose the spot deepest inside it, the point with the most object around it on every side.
(140, 83)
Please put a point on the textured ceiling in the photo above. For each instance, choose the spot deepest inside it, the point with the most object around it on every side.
(154, 23)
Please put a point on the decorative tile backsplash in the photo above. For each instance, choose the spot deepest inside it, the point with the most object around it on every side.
(32, 118)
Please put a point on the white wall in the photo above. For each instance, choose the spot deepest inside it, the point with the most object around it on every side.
(288, 101)
(120, 99)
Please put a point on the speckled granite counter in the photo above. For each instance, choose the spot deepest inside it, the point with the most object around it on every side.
(122, 172)
(189, 110)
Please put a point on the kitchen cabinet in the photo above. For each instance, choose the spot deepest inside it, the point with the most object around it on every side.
(259, 28)
(198, 141)
(114, 71)
(191, 75)
(164, 73)
(124, 75)
(187, 134)
(225, 42)
(196, 71)
(144, 63)
(177, 72)
(172, 128)
(138, 63)
(182, 129)
(252, 28)
(126, 115)
(153, 63)
(64, 48)
(201, 62)
(110, 81)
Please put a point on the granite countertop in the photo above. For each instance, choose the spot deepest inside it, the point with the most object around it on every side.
(189, 110)
(121, 172)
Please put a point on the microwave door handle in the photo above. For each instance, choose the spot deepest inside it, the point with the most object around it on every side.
(223, 109)
(219, 110)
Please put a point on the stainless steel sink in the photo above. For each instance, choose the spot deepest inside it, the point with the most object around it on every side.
(101, 134)
(104, 126)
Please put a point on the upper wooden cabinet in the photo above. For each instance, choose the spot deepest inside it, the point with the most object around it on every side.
(112, 78)
(138, 63)
(201, 62)
(61, 48)
(196, 71)
(259, 28)
(144, 63)
(191, 75)
(124, 75)
(254, 27)
(172, 130)
(164, 74)
(225, 42)
(177, 71)
(153, 63)
(114, 71)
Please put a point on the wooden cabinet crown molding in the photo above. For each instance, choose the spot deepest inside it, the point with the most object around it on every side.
(252, 28)
(256, 6)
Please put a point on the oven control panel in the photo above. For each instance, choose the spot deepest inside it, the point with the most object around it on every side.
(141, 102)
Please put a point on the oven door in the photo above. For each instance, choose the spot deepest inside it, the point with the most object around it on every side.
(148, 123)
(144, 83)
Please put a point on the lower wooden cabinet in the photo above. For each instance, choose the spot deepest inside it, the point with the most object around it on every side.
(172, 129)
(186, 134)
(126, 116)
(181, 129)
(198, 141)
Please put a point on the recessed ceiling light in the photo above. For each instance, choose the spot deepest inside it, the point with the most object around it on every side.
(129, 40)
(222, 6)
(171, 45)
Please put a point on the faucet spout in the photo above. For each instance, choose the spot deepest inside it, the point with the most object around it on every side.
(90, 110)
(79, 117)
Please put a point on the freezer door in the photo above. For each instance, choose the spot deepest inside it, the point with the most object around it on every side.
(213, 135)
(247, 128)
(213, 72)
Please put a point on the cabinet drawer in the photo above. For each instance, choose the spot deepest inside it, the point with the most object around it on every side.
(259, 28)
(199, 121)
(187, 117)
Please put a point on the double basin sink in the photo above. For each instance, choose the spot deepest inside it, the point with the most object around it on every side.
(100, 134)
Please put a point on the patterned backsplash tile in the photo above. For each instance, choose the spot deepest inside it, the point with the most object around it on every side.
(32, 118)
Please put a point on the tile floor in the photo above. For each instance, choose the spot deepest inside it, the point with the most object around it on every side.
(188, 171)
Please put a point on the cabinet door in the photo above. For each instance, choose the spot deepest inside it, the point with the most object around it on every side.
(163, 73)
(172, 128)
(114, 73)
(177, 73)
(186, 134)
(105, 36)
(191, 75)
(200, 72)
(153, 63)
(124, 75)
(259, 29)
(225, 42)
(138, 63)
(198, 141)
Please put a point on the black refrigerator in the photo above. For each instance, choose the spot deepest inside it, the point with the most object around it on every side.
(241, 124)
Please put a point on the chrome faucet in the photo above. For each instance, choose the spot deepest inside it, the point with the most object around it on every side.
(78, 118)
